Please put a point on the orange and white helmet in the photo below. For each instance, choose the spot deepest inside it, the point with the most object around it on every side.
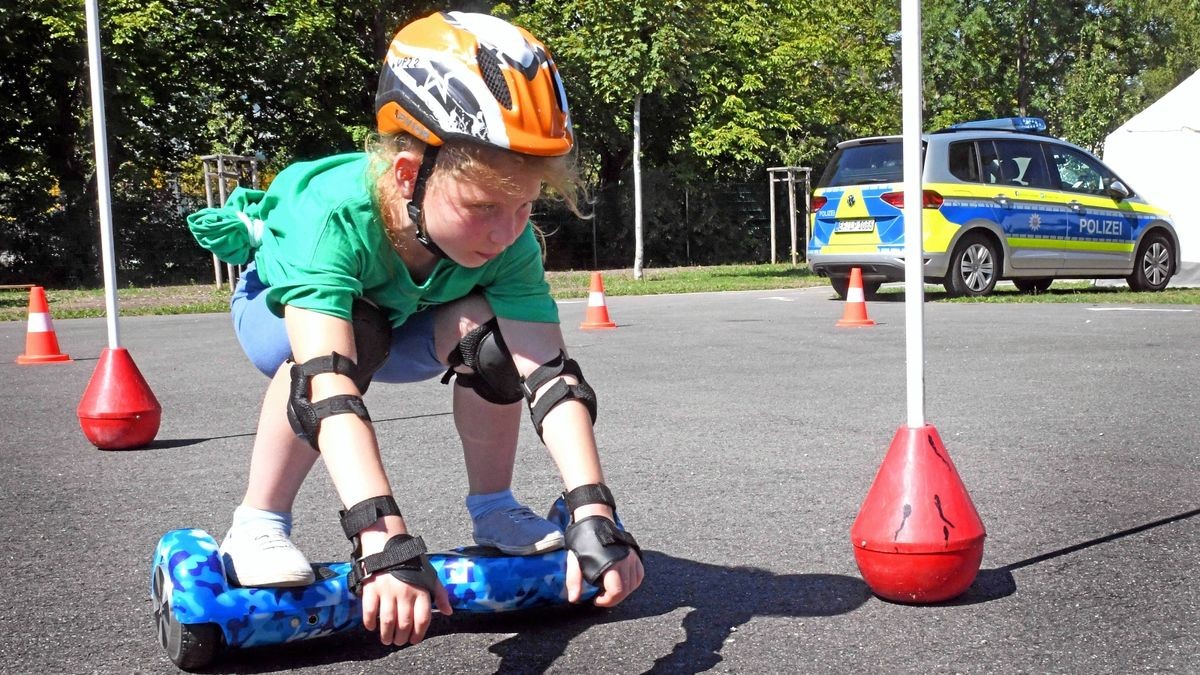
(474, 77)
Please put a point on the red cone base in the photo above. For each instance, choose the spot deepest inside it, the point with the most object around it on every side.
(118, 411)
(918, 538)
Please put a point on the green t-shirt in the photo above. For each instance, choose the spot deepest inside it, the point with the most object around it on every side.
(323, 245)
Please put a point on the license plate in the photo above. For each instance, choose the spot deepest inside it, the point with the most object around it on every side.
(864, 225)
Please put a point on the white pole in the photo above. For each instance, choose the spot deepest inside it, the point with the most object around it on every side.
(771, 184)
(92, 12)
(807, 209)
(791, 183)
(914, 284)
(637, 187)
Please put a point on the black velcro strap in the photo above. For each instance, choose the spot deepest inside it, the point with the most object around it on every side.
(592, 493)
(304, 415)
(598, 545)
(334, 363)
(341, 404)
(366, 513)
(399, 550)
(401, 553)
(558, 392)
(561, 392)
(549, 370)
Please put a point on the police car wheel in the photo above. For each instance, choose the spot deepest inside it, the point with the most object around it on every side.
(1154, 265)
(1035, 285)
(973, 267)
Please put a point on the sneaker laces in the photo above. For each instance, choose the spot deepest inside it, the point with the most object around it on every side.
(270, 539)
(521, 513)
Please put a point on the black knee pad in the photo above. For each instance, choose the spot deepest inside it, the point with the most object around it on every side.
(372, 341)
(494, 376)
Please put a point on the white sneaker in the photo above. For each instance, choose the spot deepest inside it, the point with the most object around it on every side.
(517, 531)
(263, 556)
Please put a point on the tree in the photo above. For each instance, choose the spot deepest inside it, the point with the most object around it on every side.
(628, 50)
(283, 78)
(724, 89)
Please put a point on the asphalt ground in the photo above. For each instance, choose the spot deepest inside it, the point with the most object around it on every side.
(740, 433)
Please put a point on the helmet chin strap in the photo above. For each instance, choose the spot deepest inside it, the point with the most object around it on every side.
(418, 198)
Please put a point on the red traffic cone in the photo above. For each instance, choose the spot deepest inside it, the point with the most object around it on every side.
(917, 538)
(855, 313)
(41, 343)
(118, 411)
(597, 310)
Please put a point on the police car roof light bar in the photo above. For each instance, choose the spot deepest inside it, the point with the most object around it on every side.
(1033, 125)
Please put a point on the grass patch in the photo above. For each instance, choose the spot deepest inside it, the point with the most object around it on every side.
(566, 285)
(89, 303)
(196, 298)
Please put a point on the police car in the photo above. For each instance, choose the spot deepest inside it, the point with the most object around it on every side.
(1002, 200)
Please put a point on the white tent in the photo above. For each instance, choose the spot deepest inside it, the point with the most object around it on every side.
(1155, 153)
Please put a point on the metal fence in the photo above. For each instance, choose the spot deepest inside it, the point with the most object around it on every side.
(699, 224)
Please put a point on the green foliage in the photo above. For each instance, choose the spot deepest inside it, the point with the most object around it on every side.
(728, 87)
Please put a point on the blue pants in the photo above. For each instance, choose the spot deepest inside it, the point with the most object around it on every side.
(264, 338)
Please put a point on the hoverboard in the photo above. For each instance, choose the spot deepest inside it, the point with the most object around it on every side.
(199, 614)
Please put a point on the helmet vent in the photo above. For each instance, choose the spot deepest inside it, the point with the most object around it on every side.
(489, 67)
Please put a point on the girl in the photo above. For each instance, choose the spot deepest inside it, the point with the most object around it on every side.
(396, 266)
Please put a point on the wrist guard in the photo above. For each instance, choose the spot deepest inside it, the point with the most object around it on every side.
(596, 541)
(403, 555)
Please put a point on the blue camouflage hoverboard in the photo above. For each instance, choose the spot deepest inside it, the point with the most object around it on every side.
(198, 613)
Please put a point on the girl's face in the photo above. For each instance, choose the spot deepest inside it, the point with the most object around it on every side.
(474, 222)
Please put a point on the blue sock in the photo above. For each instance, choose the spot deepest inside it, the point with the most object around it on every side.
(245, 515)
(481, 505)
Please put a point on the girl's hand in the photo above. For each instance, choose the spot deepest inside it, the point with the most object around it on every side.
(401, 611)
(618, 581)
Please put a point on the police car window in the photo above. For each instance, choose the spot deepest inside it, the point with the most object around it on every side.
(990, 161)
(1022, 164)
(1077, 172)
(964, 161)
(879, 162)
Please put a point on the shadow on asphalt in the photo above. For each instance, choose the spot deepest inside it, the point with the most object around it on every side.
(719, 599)
(170, 443)
(998, 583)
(1100, 540)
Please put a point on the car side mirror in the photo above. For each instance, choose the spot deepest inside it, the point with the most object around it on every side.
(1117, 190)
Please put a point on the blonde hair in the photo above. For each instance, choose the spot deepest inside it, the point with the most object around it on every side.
(478, 163)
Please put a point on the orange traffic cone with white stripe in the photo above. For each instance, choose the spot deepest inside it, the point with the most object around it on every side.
(855, 313)
(597, 311)
(41, 344)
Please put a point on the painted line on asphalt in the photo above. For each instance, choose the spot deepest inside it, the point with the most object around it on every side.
(1135, 309)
